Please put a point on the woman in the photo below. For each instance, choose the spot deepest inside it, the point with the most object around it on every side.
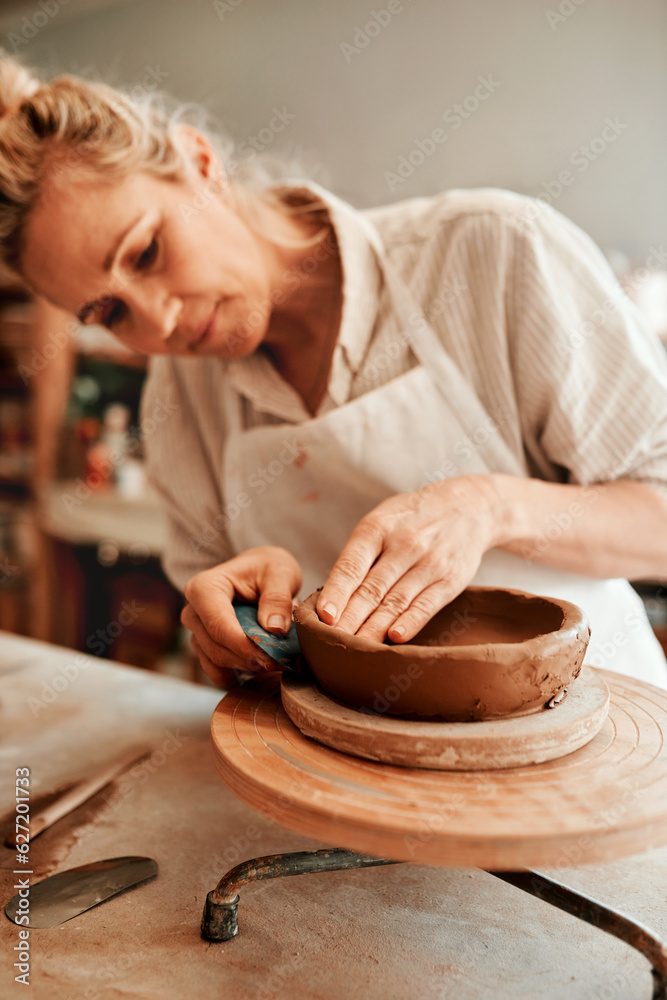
(393, 403)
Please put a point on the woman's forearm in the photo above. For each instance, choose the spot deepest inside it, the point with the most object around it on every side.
(616, 529)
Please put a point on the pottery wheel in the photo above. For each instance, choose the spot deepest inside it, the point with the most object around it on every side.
(604, 801)
(450, 746)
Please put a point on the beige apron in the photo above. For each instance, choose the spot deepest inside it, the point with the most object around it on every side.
(423, 426)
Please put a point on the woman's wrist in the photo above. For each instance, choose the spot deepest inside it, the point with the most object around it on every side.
(505, 508)
(492, 500)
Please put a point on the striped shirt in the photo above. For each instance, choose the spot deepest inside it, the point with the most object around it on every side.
(522, 300)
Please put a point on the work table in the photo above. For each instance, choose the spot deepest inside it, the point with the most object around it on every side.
(401, 932)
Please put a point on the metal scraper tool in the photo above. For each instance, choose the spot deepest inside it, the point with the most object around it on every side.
(284, 649)
(75, 795)
(63, 896)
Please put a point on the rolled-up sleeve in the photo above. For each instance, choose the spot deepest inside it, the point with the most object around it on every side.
(590, 375)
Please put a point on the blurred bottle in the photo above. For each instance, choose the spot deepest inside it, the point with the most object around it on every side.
(128, 471)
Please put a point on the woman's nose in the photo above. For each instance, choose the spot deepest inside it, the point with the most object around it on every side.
(166, 318)
(156, 310)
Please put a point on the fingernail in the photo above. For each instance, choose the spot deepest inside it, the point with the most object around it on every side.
(277, 621)
(330, 609)
(398, 631)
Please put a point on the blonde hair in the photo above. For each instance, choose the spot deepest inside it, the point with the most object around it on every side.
(49, 128)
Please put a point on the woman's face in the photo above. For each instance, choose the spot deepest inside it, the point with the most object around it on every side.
(168, 266)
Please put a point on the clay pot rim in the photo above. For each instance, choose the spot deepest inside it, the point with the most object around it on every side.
(574, 619)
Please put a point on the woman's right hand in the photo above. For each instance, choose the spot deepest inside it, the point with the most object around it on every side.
(267, 576)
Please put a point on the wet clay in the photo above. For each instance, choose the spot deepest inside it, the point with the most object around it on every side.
(489, 654)
(496, 616)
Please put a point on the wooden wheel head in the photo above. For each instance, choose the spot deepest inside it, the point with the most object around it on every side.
(604, 801)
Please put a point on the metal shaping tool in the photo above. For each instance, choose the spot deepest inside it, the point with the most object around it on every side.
(75, 795)
(67, 894)
(284, 649)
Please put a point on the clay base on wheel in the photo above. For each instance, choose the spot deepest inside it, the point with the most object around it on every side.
(491, 653)
(604, 801)
(450, 746)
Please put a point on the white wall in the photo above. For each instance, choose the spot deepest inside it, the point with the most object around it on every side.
(355, 115)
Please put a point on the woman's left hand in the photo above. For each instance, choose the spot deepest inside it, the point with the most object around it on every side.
(409, 557)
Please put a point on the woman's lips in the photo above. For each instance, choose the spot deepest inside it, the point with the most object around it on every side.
(208, 329)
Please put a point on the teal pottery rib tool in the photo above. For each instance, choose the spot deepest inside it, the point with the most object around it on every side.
(284, 649)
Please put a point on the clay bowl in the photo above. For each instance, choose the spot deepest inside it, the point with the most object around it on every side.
(490, 654)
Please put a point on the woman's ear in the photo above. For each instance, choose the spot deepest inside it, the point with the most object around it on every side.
(201, 155)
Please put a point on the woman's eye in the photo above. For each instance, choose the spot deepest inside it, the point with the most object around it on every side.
(115, 315)
(148, 256)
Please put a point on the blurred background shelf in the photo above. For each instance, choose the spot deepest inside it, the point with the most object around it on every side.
(135, 524)
(80, 539)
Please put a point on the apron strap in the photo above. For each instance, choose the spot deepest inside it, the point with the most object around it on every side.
(431, 353)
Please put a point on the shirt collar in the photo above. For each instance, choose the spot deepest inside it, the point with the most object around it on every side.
(361, 277)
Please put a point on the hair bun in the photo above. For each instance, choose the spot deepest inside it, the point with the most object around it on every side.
(16, 84)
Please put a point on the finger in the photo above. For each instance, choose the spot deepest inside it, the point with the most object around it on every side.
(397, 601)
(220, 676)
(449, 583)
(350, 569)
(221, 656)
(279, 584)
(422, 609)
(211, 604)
(379, 587)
